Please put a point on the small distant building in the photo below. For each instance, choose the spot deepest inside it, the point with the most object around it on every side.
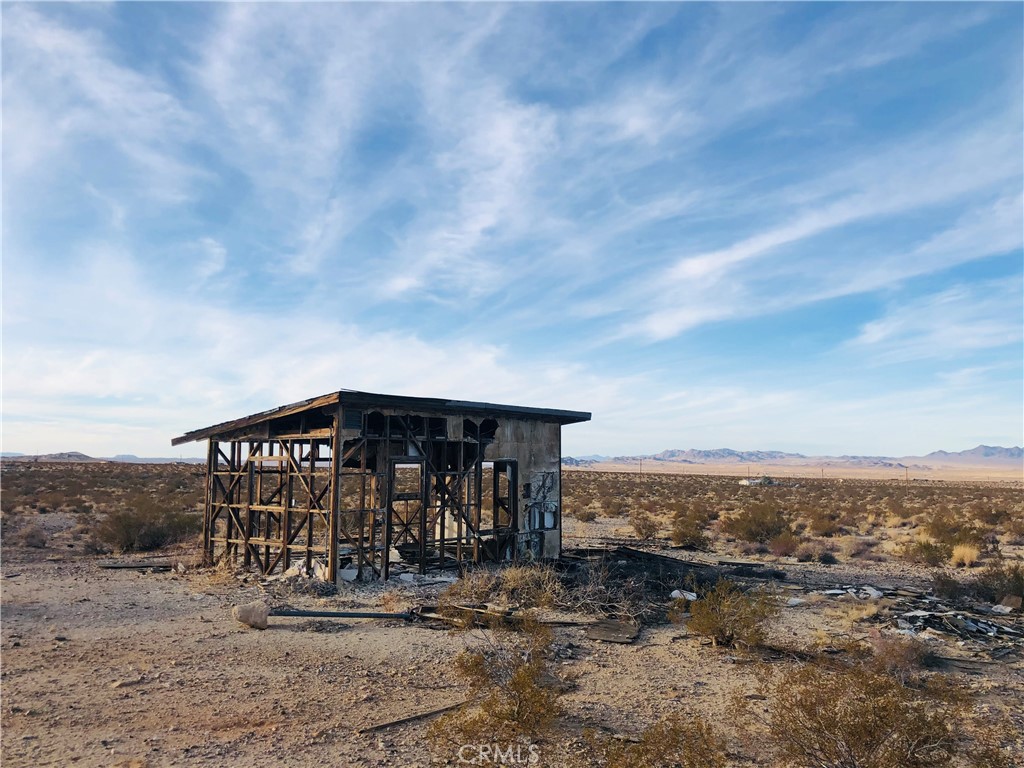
(356, 482)
(765, 480)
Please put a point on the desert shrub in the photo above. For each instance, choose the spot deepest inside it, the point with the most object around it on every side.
(516, 585)
(964, 555)
(854, 547)
(901, 657)
(947, 586)
(676, 740)
(601, 590)
(586, 515)
(145, 525)
(815, 551)
(785, 544)
(824, 523)
(759, 522)
(928, 552)
(948, 528)
(999, 580)
(645, 526)
(876, 722)
(730, 616)
(509, 690)
(530, 586)
(33, 536)
(688, 530)
(614, 507)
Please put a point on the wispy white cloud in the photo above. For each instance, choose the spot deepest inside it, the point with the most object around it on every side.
(947, 324)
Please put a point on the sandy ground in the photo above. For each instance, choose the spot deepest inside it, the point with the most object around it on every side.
(135, 668)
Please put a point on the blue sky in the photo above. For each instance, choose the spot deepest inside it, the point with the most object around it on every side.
(774, 226)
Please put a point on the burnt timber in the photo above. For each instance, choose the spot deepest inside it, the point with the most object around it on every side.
(355, 482)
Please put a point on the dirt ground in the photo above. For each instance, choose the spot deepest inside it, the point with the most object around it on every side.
(140, 668)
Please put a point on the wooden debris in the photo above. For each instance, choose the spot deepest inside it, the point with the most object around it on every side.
(612, 631)
(411, 718)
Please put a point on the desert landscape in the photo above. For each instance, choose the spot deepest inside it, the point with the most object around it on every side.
(693, 621)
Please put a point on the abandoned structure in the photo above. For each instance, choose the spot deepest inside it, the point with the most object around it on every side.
(356, 482)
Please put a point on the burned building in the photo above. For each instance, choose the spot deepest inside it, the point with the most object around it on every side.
(356, 482)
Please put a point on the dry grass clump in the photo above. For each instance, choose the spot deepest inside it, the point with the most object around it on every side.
(964, 555)
(676, 741)
(524, 586)
(857, 717)
(730, 616)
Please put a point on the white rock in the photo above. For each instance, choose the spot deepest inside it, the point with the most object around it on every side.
(252, 614)
(681, 593)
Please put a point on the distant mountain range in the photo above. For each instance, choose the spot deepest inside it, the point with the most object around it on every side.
(983, 454)
(75, 457)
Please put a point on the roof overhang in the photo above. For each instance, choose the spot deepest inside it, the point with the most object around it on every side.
(369, 400)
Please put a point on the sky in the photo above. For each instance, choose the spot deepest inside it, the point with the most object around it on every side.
(758, 226)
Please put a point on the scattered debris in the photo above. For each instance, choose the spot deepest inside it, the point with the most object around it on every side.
(339, 614)
(612, 631)
(927, 616)
(136, 566)
(252, 614)
(1013, 602)
(411, 718)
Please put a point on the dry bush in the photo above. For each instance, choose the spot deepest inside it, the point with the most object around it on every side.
(858, 718)
(509, 688)
(785, 544)
(949, 587)
(900, 657)
(999, 580)
(533, 586)
(730, 616)
(645, 526)
(145, 525)
(824, 523)
(475, 586)
(596, 589)
(33, 536)
(676, 741)
(529, 586)
(759, 522)
(613, 507)
(586, 515)
(390, 600)
(928, 552)
(855, 547)
(964, 555)
(688, 530)
(812, 551)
